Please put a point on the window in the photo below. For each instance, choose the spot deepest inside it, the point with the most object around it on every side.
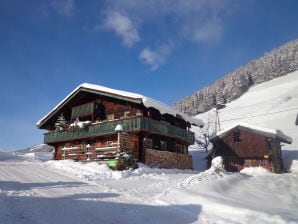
(110, 116)
(110, 143)
(179, 148)
(163, 145)
(126, 113)
(262, 162)
(148, 143)
(100, 111)
(139, 113)
(236, 137)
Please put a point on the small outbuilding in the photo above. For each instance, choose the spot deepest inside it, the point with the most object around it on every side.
(244, 145)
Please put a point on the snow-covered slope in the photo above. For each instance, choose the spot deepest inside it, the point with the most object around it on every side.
(41, 152)
(272, 104)
(279, 62)
(37, 148)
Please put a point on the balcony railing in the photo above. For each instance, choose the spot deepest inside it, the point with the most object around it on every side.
(129, 124)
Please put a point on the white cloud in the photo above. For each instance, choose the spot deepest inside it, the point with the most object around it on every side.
(212, 30)
(192, 20)
(64, 7)
(123, 27)
(155, 58)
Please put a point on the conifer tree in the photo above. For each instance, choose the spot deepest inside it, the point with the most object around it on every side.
(60, 123)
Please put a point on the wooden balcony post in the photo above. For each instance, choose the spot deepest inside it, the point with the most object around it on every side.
(119, 130)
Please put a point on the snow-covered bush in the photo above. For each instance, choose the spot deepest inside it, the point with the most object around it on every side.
(217, 165)
(126, 162)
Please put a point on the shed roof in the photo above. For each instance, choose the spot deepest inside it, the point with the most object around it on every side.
(267, 132)
(124, 95)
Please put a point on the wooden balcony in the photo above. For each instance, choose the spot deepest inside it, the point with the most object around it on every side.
(130, 124)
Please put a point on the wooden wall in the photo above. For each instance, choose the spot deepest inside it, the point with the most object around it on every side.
(251, 145)
(276, 157)
(253, 150)
(118, 109)
(76, 150)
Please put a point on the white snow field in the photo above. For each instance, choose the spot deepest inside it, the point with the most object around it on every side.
(34, 189)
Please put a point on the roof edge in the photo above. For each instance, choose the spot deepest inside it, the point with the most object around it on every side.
(275, 133)
(136, 98)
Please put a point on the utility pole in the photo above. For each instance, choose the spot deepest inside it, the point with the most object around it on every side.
(217, 122)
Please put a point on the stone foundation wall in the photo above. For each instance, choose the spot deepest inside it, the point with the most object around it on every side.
(168, 160)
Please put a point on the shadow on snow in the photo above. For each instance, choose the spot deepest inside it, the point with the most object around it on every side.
(83, 207)
(288, 157)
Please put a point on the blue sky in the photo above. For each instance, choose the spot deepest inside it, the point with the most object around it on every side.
(162, 49)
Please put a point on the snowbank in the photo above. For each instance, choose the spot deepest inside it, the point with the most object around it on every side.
(90, 171)
(255, 171)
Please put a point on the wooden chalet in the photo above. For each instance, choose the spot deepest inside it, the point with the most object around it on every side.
(244, 145)
(96, 123)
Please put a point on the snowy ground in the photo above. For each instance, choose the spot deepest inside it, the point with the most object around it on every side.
(35, 191)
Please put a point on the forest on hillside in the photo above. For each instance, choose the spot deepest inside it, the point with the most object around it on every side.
(280, 61)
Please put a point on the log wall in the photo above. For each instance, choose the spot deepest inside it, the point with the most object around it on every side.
(168, 160)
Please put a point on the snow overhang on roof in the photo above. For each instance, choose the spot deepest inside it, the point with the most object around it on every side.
(268, 132)
(128, 96)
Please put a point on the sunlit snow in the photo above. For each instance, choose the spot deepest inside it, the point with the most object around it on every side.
(34, 191)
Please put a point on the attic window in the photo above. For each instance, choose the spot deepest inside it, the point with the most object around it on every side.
(236, 137)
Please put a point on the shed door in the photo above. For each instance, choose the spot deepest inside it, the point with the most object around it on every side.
(233, 164)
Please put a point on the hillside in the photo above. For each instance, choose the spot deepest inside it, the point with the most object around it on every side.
(37, 148)
(277, 63)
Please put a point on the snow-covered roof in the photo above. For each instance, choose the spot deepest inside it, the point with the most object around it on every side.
(147, 102)
(273, 133)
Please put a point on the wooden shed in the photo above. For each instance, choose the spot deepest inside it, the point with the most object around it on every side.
(244, 145)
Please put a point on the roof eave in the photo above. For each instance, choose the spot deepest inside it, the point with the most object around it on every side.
(135, 98)
(43, 120)
(80, 88)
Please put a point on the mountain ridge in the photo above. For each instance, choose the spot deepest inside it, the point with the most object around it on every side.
(36, 148)
(278, 62)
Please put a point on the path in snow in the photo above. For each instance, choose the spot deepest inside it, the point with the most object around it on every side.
(32, 192)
